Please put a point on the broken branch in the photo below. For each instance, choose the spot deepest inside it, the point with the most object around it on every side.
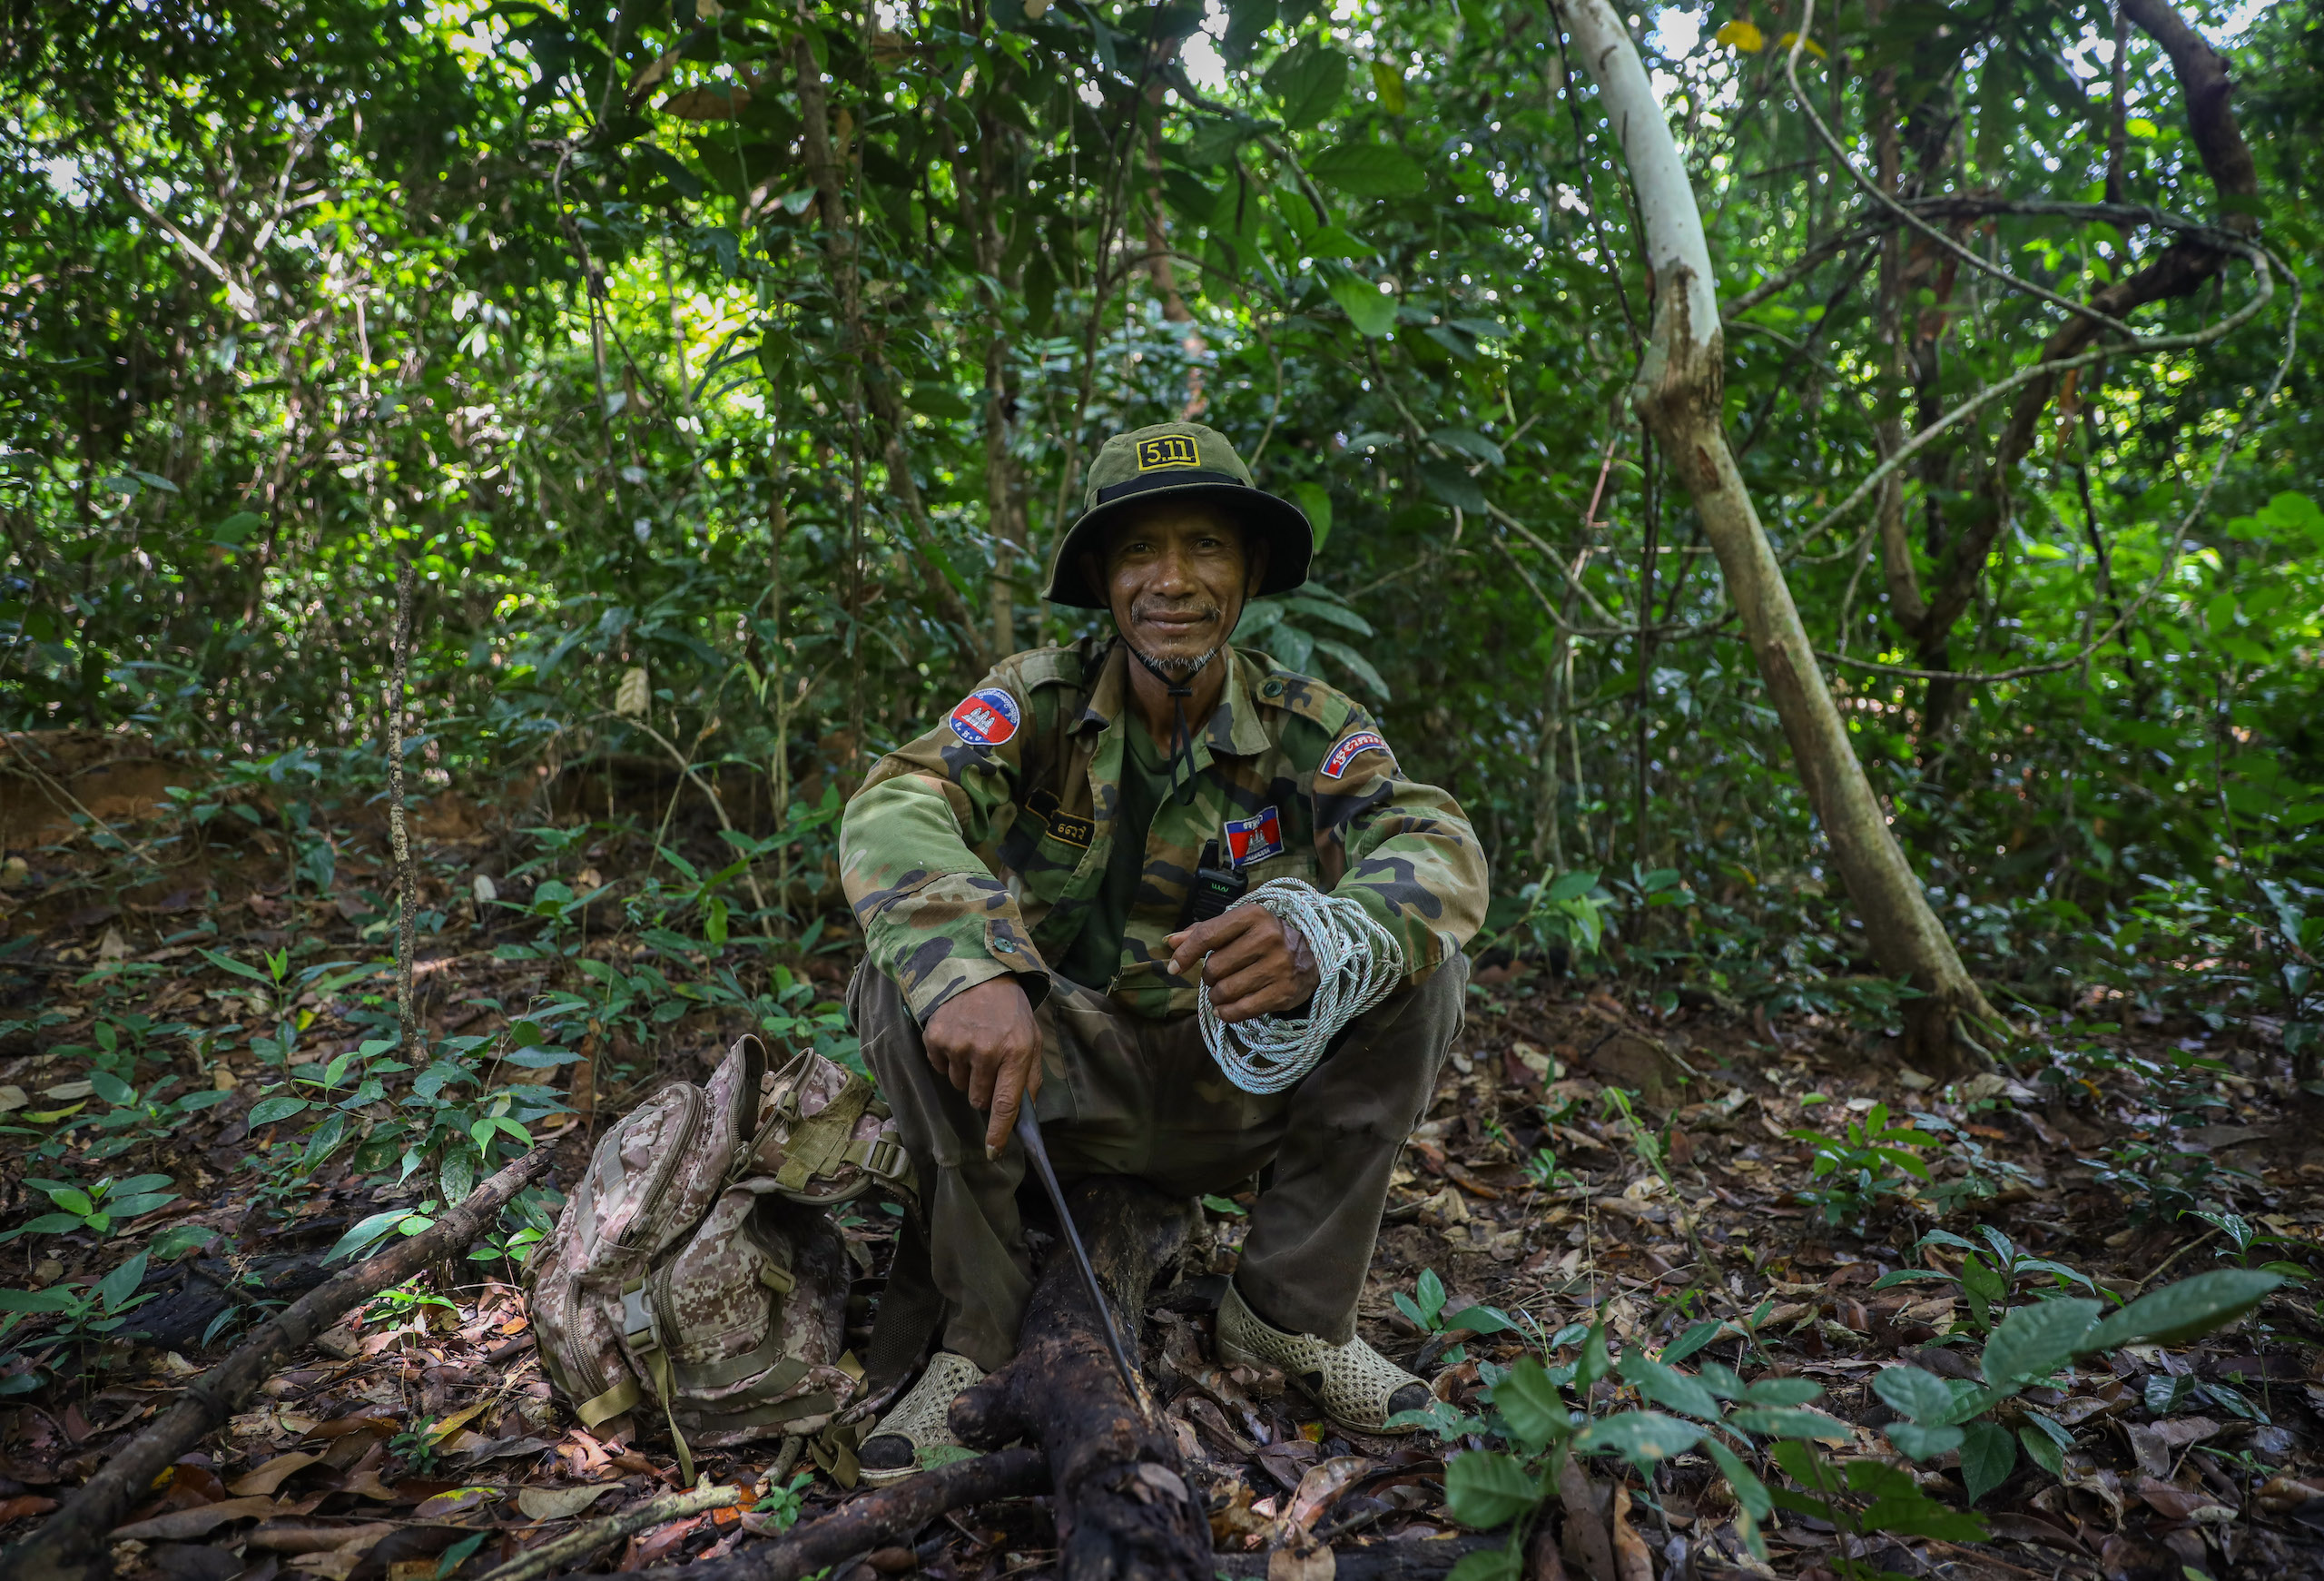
(891, 1515)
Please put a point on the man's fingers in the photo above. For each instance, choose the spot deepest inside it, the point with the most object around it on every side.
(1262, 1002)
(1189, 945)
(985, 1075)
(1254, 948)
(1248, 984)
(1008, 1096)
(1195, 943)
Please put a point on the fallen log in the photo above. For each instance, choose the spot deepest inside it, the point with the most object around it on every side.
(892, 1515)
(1124, 1511)
(73, 1543)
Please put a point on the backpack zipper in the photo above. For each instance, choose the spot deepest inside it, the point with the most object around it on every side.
(587, 1381)
(665, 1317)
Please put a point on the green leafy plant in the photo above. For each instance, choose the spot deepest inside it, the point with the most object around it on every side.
(459, 1554)
(367, 1233)
(2241, 1236)
(134, 1116)
(2029, 1346)
(446, 1116)
(524, 1224)
(100, 1209)
(1425, 1305)
(78, 1316)
(1537, 1416)
(781, 1506)
(416, 1446)
(1990, 1274)
(1543, 1170)
(398, 1303)
(1567, 910)
(1977, 1175)
(1862, 1164)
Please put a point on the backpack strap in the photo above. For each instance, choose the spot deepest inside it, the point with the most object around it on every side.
(782, 1371)
(882, 1156)
(645, 1337)
(818, 1143)
(622, 1397)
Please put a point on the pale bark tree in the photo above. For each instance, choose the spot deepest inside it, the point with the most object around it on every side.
(1678, 390)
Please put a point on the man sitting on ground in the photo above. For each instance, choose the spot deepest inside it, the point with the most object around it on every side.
(1027, 876)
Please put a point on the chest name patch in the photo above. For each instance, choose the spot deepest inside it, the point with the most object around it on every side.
(1071, 828)
(1347, 751)
(985, 718)
(1254, 838)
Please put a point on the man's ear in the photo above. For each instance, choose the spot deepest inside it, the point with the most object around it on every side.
(1093, 572)
(1257, 556)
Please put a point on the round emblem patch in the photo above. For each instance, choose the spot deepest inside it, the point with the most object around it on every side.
(985, 718)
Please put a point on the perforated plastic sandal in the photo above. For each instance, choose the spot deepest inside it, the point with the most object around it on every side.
(916, 1435)
(1356, 1385)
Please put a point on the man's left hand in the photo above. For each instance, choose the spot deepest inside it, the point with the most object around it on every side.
(1256, 965)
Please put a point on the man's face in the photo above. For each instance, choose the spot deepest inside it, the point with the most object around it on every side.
(1177, 578)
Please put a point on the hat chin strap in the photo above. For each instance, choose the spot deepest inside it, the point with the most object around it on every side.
(1182, 736)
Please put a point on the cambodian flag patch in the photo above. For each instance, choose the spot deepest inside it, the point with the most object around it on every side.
(985, 718)
(1346, 751)
(1253, 839)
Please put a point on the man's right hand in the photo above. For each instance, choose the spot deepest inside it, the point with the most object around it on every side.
(986, 1042)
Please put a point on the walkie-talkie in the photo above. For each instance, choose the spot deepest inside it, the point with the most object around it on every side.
(1215, 888)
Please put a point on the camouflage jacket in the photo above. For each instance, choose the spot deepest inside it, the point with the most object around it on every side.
(979, 849)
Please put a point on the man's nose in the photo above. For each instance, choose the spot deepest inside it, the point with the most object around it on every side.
(1174, 574)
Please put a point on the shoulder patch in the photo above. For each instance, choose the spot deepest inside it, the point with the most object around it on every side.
(1350, 748)
(985, 717)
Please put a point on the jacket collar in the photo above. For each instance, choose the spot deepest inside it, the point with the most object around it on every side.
(1234, 726)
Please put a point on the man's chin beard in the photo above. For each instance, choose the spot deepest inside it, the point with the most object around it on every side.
(1175, 669)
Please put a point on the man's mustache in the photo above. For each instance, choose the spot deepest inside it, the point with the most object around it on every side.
(1147, 612)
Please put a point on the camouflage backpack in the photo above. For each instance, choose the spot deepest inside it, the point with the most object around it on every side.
(694, 1266)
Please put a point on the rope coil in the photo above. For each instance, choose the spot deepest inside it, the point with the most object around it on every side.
(1359, 963)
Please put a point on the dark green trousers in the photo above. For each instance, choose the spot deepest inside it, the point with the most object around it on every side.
(1124, 1095)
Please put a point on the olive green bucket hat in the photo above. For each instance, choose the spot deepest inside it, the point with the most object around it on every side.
(1180, 461)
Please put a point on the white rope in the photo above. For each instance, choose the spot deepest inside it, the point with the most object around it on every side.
(1359, 963)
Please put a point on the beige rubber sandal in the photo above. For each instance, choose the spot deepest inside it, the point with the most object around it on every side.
(918, 1433)
(1356, 1385)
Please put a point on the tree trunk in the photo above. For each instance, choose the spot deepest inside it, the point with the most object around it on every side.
(2179, 269)
(1679, 390)
(1005, 511)
(871, 380)
(1124, 1511)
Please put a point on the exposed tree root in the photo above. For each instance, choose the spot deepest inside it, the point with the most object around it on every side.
(1124, 1511)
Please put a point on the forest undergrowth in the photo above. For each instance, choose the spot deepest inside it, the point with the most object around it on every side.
(1822, 1315)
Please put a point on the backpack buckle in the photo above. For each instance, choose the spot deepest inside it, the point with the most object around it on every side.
(637, 1320)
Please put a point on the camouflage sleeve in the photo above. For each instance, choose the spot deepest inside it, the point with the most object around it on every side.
(916, 855)
(1404, 850)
